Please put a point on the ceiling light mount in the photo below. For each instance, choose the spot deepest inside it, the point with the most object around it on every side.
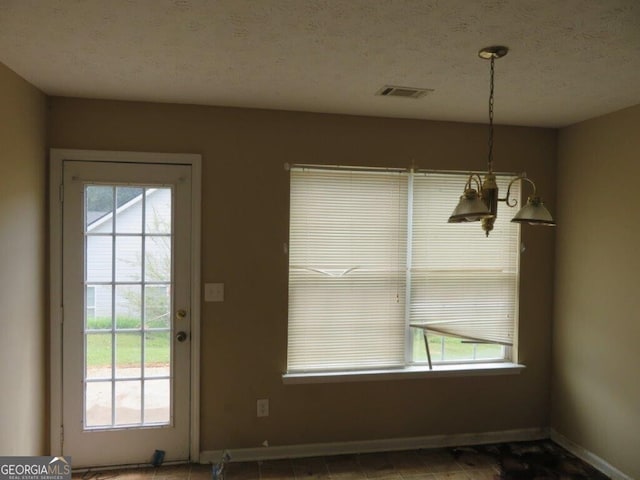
(487, 53)
(479, 201)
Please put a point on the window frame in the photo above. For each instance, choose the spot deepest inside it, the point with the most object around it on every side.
(412, 367)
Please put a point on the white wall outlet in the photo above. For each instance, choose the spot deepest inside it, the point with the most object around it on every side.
(262, 407)
(214, 292)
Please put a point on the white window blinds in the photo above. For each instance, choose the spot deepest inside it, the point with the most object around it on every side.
(462, 283)
(347, 254)
(371, 252)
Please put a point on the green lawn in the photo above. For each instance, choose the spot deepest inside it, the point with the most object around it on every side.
(454, 349)
(157, 346)
(128, 348)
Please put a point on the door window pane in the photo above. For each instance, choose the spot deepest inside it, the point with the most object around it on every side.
(98, 263)
(129, 213)
(157, 306)
(98, 307)
(98, 404)
(98, 355)
(157, 399)
(158, 211)
(128, 259)
(157, 354)
(128, 354)
(127, 402)
(158, 259)
(98, 209)
(128, 306)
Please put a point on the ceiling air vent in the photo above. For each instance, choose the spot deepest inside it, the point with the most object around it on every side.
(404, 92)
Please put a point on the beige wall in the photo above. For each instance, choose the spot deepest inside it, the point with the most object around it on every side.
(596, 392)
(245, 223)
(22, 273)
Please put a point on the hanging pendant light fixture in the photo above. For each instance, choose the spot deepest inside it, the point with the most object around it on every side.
(479, 201)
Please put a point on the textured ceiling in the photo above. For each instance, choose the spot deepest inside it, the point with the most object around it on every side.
(569, 60)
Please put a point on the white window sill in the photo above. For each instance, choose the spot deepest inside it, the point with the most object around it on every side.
(463, 370)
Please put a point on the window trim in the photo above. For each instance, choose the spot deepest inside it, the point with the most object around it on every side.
(406, 373)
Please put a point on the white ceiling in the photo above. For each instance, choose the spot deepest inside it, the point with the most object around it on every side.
(569, 60)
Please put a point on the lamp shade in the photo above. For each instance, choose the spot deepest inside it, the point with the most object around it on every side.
(534, 213)
(470, 208)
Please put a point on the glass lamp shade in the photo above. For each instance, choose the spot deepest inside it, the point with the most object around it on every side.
(470, 208)
(534, 213)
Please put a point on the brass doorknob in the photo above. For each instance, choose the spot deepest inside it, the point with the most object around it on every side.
(181, 336)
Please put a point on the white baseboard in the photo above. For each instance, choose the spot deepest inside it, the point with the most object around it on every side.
(368, 446)
(587, 456)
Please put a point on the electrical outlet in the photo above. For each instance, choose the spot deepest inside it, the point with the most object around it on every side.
(262, 407)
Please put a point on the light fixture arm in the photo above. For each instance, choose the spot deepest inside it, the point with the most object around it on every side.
(474, 177)
(513, 202)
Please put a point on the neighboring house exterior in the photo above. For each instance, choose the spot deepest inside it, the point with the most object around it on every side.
(142, 231)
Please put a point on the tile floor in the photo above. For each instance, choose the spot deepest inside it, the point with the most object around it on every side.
(535, 461)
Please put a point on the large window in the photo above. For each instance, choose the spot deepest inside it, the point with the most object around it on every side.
(371, 254)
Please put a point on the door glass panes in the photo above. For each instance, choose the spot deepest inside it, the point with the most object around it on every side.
(98, 411)
(128, 398)
(128, 278)
(158, 220)
(157, 258)
(98, 307)
(128, 220)
(99, 207)
(128, 305)
(98, 348)
(90, 299)
(156, 306)
(128, 354)
(157, 394)
(99, 259)
(128, 253)
(156, 354)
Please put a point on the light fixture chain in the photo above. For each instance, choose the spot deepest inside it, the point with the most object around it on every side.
(490, 159)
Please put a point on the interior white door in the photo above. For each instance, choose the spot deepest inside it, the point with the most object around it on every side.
(126, 320)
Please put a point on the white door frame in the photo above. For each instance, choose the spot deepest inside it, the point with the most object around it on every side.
(57, 158)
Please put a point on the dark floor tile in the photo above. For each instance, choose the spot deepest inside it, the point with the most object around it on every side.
(348, 475)
(145, 473)
(99, 474)
(177, 472)
(311, 468)
(438, 460)
(417, 475)
(201, 472)
(344, 467)
(483, 474)
(472, 459)
(276, 469)
(407, 463)
(377, 465)
(459, 475)
(242, 471)
(340, 459)
(405, 457)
